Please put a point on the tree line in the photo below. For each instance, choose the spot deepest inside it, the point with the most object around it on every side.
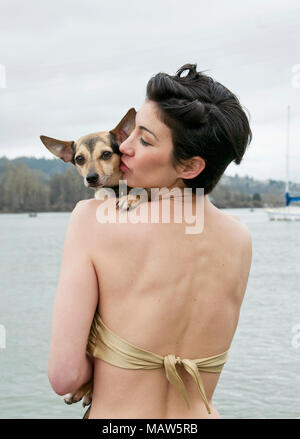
(30, 189)
(27, 190)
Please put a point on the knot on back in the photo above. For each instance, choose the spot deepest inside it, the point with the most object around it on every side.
(170, 363)
(172, 360)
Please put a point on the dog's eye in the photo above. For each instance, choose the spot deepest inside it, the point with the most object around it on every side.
(79, 159)
(106, 155)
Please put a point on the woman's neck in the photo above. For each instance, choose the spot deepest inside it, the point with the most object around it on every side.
(178, 193)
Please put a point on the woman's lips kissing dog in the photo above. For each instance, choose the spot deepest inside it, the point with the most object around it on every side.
(123, 166)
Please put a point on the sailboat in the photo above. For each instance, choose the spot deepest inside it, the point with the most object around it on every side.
(288, 212)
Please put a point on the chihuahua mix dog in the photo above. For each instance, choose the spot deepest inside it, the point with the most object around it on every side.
(97, 159)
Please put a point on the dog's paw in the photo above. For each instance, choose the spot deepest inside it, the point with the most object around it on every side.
(130, 201)
(69, 398)
(87, 399)
(85, 392)
(127, 202)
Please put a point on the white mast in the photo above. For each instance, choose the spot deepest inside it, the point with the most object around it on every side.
(287, 150)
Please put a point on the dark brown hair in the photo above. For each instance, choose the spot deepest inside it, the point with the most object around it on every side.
(206, 119)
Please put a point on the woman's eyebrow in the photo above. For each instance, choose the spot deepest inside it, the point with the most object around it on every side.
(146, 129)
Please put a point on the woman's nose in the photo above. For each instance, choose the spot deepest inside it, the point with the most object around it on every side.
(126, 147)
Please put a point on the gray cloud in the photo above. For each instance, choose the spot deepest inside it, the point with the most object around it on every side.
(76, 67)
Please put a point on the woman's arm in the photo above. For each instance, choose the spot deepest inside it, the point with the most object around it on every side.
(74, 307)
(87, 372)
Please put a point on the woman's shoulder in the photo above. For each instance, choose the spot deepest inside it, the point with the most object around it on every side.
(244, 239)
(234, 216)
(94, 203)
(236, 230)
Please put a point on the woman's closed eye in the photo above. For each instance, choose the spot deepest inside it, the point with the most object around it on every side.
(143, 142)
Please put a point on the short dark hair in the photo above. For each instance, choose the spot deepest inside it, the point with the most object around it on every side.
(206, 119)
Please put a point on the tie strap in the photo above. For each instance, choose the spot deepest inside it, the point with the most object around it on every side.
(108, 346)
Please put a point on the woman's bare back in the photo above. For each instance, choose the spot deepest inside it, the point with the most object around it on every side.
(168, 292)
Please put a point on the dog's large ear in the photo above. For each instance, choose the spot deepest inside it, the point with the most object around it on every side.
(62, 149)
(125, 126)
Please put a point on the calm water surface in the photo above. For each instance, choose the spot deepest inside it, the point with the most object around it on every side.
(261, 378)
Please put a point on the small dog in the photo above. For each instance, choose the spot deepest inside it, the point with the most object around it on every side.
(97, 158)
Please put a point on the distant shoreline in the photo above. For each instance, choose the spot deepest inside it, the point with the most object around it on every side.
(69, 211)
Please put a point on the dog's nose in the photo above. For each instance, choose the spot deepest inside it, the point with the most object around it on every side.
(92, 178)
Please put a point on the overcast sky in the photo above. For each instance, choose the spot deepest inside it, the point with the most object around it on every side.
(76, 67)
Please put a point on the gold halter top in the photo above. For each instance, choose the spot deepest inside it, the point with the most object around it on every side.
(105, 345)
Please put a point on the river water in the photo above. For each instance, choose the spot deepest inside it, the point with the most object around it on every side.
(261, 378)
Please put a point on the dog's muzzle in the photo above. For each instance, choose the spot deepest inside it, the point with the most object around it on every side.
(95, 180)
(92, 179)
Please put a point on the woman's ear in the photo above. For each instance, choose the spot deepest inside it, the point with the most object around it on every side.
(192, 167)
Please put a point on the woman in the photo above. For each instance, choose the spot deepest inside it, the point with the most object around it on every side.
(168, 301)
